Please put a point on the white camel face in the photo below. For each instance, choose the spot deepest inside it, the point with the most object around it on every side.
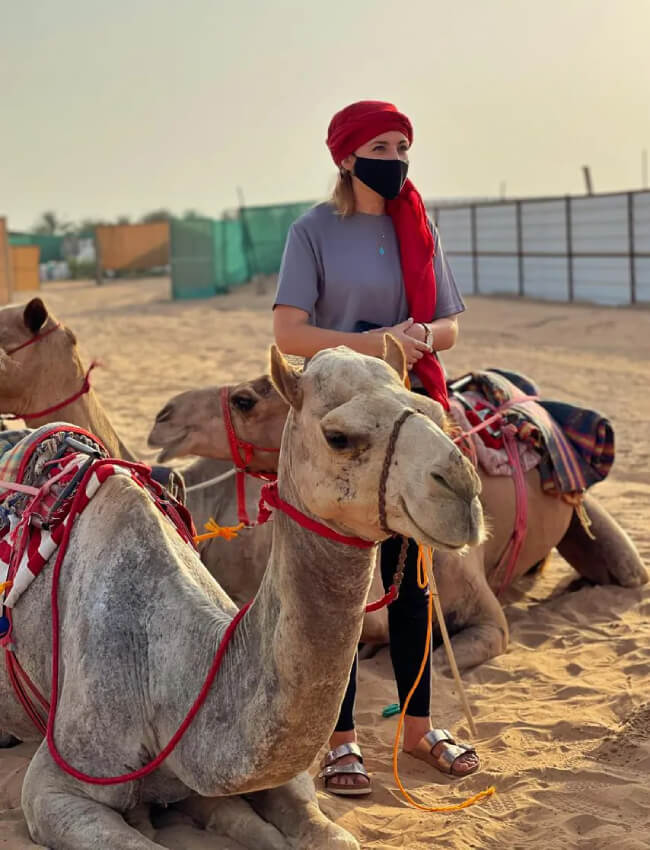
(344, 408)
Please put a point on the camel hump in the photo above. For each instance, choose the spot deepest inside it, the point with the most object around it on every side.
(611, 558)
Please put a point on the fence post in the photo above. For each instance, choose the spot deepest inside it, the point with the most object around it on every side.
(569, 245)
(520, 247)
(436, 213)
(474, 239)
(630, 231)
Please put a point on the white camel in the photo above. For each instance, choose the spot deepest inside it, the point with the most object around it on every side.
(140, 621)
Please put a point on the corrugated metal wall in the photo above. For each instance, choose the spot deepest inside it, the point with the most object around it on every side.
(592, 248)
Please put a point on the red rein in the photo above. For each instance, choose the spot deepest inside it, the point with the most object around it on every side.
(85, 387)
(236, 446)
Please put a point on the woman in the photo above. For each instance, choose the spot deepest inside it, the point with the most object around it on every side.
(368, 261)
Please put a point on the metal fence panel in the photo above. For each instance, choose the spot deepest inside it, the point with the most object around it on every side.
(456, 225)
(599, 224)
(546, 277)
(641, 230)
(642, 268)
(543, 225)
(594, 248)
(498, 275)
(605, 280)
(496, 228)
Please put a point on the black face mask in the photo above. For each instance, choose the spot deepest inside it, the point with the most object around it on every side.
(384, 176)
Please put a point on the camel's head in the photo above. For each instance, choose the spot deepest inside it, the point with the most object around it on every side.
(338, 437)
(192, 423)
(25, 370)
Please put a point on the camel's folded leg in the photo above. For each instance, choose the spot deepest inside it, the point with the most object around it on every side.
(611, 558)
(59, 817)
(293, 809)
(484, 636)
(234, 817)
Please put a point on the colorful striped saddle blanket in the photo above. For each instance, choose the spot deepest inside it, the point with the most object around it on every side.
(65, 464)
(575, 446)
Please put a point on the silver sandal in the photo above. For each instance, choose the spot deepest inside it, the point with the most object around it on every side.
(330, 769)
(450, 753)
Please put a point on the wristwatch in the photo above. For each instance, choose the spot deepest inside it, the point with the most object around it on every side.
(428, 334)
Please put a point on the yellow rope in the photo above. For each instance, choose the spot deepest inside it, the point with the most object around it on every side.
(585, 519)
(422, 583)
(213, 529)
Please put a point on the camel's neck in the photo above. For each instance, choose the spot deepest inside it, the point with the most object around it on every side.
(287, 668)
(85, 412)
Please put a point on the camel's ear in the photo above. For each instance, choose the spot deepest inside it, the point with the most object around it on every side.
(394, 356)
(35, 315)
(286, 379)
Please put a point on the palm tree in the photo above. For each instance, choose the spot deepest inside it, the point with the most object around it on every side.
(156, 215)
(50, 224)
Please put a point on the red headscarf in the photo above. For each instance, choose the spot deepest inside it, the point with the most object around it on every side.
(351, 128)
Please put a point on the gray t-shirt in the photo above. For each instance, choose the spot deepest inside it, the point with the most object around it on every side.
(347, 270)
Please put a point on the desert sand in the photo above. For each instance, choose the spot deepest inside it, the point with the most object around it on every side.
(564, 716)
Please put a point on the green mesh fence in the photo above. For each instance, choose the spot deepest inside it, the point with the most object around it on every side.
(209, 257)
(51, 246)
(265, 232)
(192, 260)
(231, 264)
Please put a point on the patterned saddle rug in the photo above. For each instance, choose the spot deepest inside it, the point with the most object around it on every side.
(574, 447)
(57, 465)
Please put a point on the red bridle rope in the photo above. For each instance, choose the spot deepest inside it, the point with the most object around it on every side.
(36, 338)
(39, 414)
(237, 445)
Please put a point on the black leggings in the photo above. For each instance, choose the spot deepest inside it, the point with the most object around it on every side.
(407, 629)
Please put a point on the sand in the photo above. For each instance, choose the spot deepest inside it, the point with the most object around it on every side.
(564, 716)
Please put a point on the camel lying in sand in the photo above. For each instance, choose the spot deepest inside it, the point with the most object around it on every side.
(192, 423)
(39, 376)
(141, 619)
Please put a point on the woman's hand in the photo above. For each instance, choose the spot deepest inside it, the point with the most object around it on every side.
(417, 332)
(414, 348)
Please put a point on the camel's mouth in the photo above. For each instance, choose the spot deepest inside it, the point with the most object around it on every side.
(170, 450)
(426, 538)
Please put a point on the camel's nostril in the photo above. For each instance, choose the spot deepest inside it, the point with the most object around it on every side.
(164, 414)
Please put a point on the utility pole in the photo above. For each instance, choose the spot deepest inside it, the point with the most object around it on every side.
(587, 175)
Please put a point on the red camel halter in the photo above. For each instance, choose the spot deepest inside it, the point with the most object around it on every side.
(237, 445)
(511, 553)
(39, 414)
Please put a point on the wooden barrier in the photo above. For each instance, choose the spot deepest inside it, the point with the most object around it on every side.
(6, 271)
(24, 262)
(132, 247)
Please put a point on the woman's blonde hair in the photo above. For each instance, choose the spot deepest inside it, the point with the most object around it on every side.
(343, 195)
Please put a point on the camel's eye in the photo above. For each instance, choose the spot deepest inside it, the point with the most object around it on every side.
(337, 439)
(244, 403)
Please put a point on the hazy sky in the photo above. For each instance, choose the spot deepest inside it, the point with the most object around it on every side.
(121, 107)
